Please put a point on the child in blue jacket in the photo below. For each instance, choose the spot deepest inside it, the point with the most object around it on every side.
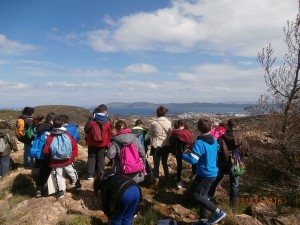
(204, 155)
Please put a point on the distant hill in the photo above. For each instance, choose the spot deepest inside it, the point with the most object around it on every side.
(174, 105)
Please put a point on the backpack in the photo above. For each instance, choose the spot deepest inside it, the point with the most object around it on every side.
(72, 129)
(130, 161)
(61, 147)
(96, 131)
(20, 129)
(167, 222)
(36, 150)
(236, 163)
(3, 145)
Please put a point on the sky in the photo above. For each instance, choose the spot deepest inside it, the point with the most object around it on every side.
(90, 52)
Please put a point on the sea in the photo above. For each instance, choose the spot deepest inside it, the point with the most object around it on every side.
(177, 111)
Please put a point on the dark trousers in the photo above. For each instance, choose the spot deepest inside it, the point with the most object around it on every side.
(179, 166)
(4, 165)
(44, 173)
(127, 208)
(234, 187)
(200, 188)
(96, 159)
(164, 161)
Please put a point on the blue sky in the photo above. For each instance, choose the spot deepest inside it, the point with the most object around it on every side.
(85, 53)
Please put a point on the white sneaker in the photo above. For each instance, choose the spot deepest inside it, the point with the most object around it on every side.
(179, 184)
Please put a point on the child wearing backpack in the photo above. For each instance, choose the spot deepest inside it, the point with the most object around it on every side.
(7, 144)
(97, 138)
(71, 128)
(128, 153)
(62, 149)
(43, 129)
(204, 155)
(231, 141)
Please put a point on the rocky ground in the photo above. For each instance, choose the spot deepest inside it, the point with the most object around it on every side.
(82, 207)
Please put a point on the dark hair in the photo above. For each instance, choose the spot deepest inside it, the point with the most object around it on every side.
(50, 117)
(204, 125)
(161, 111)
(64, 118)
(28, 111)
(181, 123)
(38, 119)
(120, 125)
(58, 122)
(139, 123)
(232, 123)
(100, 109)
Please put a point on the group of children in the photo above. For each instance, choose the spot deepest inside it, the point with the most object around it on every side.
(119, 189)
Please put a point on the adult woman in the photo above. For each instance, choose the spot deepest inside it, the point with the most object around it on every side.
(160, 130)
(180, 139)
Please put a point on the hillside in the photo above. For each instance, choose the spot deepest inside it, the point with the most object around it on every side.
(272, 197)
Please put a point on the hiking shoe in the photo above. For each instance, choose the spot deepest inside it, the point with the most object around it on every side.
(60, 194)
(89, 177)
(38, 193)
(179, 185)
(217, 217)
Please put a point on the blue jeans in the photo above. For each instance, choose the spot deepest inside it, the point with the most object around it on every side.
(234, 187)
(28, 161)
(127, 208)
(4, 165)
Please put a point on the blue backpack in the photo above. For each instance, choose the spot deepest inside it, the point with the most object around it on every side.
(72, 129)
(167, 222)
(61, 147)
(36, 150)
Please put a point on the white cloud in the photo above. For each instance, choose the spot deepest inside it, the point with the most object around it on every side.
(9, 47)
(9, 86)
(140, 68)
(239, 27)
(89, 73)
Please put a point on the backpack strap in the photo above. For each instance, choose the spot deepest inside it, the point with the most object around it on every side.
(167, 133)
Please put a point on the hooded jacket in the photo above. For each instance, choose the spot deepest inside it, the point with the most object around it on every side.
(47, 148)
(125, 137)
(104, 121)
(9, 141)
(160, 130)
(204, 155)
(231, 140)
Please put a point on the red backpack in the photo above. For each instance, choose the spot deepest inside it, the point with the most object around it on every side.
(97, 132)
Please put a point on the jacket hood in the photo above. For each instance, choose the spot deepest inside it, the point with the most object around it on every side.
(43, 127)
(124, 138)
(101, 118)
(58, 131)
(207, 138)
(137, 131)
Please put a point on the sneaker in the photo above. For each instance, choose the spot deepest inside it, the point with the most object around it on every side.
(60, 194)
(217, 217)
(89, 177)
(78, 186)
(38, 193)
(156, 181)
(179, 184)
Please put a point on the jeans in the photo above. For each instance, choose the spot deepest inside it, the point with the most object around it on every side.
(4, 165)
(234, 187)
(127, 207)
(164, 161)
(28, 161)
(200, 188)
(96, 159)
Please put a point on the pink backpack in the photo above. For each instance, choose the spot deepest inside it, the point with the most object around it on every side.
(130, 161)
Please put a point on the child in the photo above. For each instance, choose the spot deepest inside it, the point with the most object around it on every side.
(119, 196)
(180, 140)
(9, 144)
(204, 155)
(72, 129)
(60, 165)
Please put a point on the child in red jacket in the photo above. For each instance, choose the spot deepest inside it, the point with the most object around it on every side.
(62, 148)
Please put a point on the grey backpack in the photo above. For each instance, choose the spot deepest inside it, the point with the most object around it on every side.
(2, 143)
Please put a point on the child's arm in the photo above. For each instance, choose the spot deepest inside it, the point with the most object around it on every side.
(193, 155)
